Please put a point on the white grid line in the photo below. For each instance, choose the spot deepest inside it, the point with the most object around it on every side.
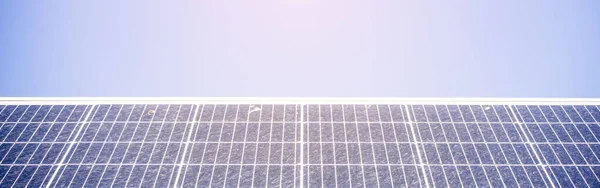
(187, 143)
(244, 146)
(398, 145)
(541, 163)
(417, 146)
(21, 152)
(571, 138)
(206, 145)
(70, 146)
(552, 149)
(421, 144)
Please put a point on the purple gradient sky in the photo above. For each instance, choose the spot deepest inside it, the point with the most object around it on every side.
(297, 48)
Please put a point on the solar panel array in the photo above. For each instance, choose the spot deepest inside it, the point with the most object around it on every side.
(299, 145)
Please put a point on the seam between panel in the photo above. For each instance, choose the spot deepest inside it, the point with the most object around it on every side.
(530, 144)
(410, 122)
(62, 161)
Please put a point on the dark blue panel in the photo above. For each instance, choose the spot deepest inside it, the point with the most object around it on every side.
(418, 113)
(136, 176)
(576, 176)
(26, 153)
(11, 176)
(67, 112)
(120, 180)
(30, 113)
(18, 113)
(108, 176)
(81, 176)
(439, 176)
(408, 153)
(246, 176)
(493, 176)
(14, 132)
(509, 177)
(466, 176)
(39, 175)
(42, 113)
(574, 115)
(398, 114)
(260, 175)
(232, 176)
(589, 175)
(594, 111)
(480, 176)
(505, 113)
(430, 155)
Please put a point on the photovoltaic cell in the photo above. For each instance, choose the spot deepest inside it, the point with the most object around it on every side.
(299, 145)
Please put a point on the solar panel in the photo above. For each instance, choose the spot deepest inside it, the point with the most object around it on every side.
(325, 144)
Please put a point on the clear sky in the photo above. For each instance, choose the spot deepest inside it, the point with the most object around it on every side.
(298, 48)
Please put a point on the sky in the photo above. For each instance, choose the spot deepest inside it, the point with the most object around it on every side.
(300, 48)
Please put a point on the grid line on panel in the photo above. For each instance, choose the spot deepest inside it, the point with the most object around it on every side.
(435, 146)
(291, 142)
(561, 146)
(187, 143)
(546, 138)
(62, 161)
(265, 164)
(397, 144)
(230, 147)
(270, 143)
(219, 144)
(73, 153)
(347, 147)
(502, 149)
(571, 138)
(487, 146)
(46, 153)
(321, 144)
(282, 139)
(476, 151)
(387, 157)
(333, 145)
(257, 138)
(88, 149)
(12, 145)
(103, 145)
(184, 162)
(460, 179)
(461, 146)
(169, 121)
(207, 136)
(362, 165)
(540, 162)
(371, 142)
(28, 160)
(302, 143)
(121, 162)
(244, 146)
(163, 155)
(417, 146)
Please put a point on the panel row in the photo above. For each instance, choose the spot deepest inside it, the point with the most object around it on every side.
(558, 113)
(45, 113)
(150, 176)
(292, 113)
(89, 176)
(150, 132)
(407, 132)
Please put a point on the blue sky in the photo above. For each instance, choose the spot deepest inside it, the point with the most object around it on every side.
(300, 48)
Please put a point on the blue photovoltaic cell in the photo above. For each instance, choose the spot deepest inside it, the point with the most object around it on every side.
(299, 145)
